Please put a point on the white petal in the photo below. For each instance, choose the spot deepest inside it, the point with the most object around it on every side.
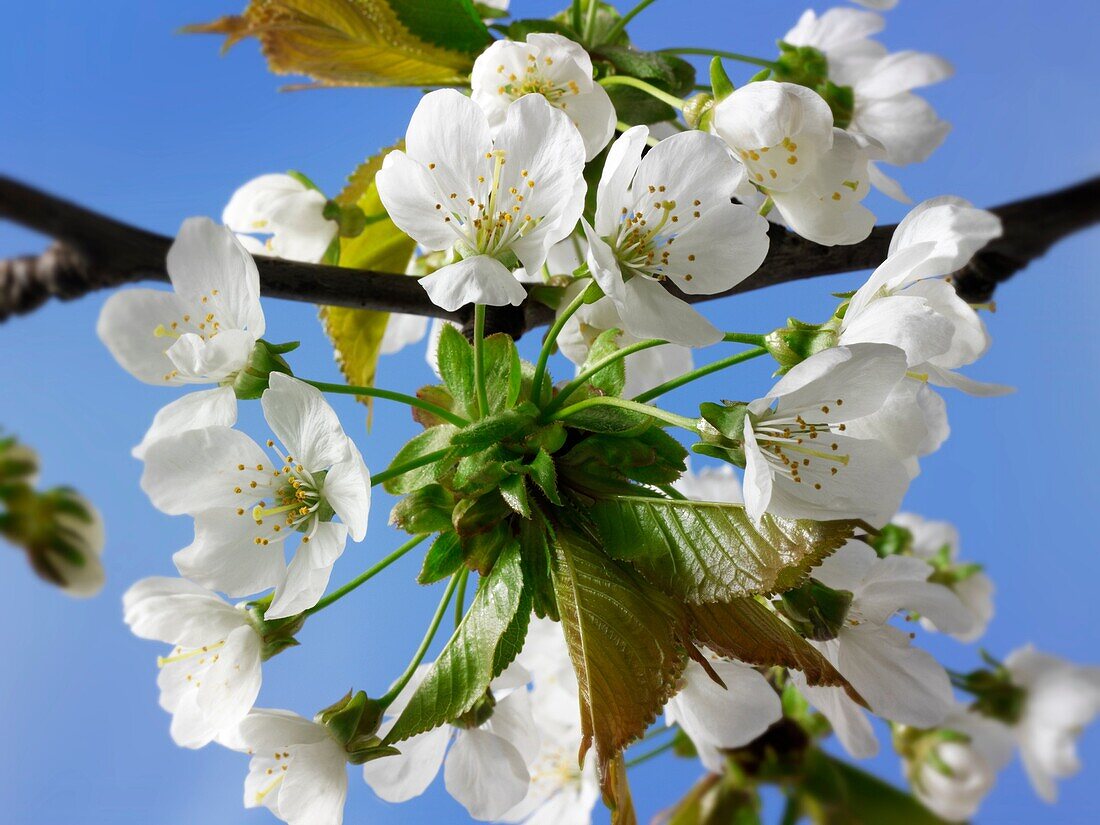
(477, 280)
(207, 261)
(759, 483)
(347, 490)
(957, 228)
(224, 555)
(726, 717)
(903, 71)
(719, 250)
(403, 777)
(886, 184)
(410, 194)
(284, 207)
(449, 130)
(905, 321)
(969, 339)
(651, 311)
(126, 324)
(308, 573)
(691, 167)
(622, 163)
(198, 470)
(947, 378)
(205, 408)
(906, 125)
(304, 422)
(651, 367)
(178, 612)
(512, 721)
(835, 28)
(230, 686)
(849, 721)
(402, 330)
(847, 568)
(912, 422)
(486, 774)
(211, 360)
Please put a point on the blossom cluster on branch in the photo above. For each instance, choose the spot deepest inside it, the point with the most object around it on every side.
(757, 608)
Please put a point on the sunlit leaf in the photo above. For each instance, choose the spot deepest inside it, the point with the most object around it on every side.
(712, 552)
(362, 42)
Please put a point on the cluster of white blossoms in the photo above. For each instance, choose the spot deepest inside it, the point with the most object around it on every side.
(491, 186)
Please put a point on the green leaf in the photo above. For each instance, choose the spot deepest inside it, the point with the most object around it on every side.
(609, 463)
(519, 29)
(429, 441)
(461, 674)
(611, 379)
(637, 108)
(356, 334)
(622, 638)
(545, 476)
(433, 394)
(534, 548)
(746, 630)
(456, 368)
(427, 510)
(665, 71)
(481, 472)
(514, 492)
(362, 42)
(712, 552)
(443, 558)
(503, 372)
(511, 643)
(495, 428)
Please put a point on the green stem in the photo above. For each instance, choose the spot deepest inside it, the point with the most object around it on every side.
(460, 599)
(401, 469)
(653, 91)
(621, 403)
(367, 575)
(743, 58)
(688, 377)
(548, 344)
(653, 754)
(617, 29)
(388, 395)
(766, 207)
(752, 338)
(479, 361)
(580, 380)
(590, 22)
(418, 657)
(577, 16)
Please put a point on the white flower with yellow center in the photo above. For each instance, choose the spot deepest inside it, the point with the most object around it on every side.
(297, 771)
(668, 217)
(493, 204)
(287, 212)
(551, 66)
(800, 460)
(247, 502)
(201, 333)
(211, 677)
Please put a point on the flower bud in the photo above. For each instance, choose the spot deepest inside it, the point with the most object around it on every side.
(266, 358)
(353, 721)
(892, 540)
(803, 65)
(697, 111)
(18, 466)
(721, 430)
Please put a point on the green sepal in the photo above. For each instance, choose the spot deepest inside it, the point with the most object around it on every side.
(427, 510)
(803, 65)
(816, 611)
(350, 219)
(794, 343)
(373, 749)
(276, 635)
(442, 560)
(353, 717)
(720, 83)
(266, 358)
(892, 540)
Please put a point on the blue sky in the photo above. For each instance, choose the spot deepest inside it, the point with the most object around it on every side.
(105, 104)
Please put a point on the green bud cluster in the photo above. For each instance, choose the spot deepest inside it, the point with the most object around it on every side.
(266, 358)
(798, 340)
(353, 721)
(721, 431)
(807, 66)
(995, 694)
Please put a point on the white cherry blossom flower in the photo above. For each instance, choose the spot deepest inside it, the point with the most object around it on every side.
(801, 462)
(907, 303)
(955, 783)
(486, 768)
(554, 67)
(718, 718)
(899, 682)
(561, 791)
(218, 475)
(456, 189)
(885, 109)
(210, 679)
(714, 483)
(669, 217)
(1062, 699)
(779, 131)
(297, 771)
(201, 333)
(826, 207)
(285, 210)
(204, 408)
(975, 591)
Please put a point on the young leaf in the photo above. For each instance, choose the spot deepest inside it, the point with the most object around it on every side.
(746, 630)
(511, 643)
(456, 367)
(534, 549)
(711, 552)
(514, 491)
(464, 669)
(621, 635)
(545, 476)
(495, 429)
(434, 394)
(443, 558)
(611, 379)
(356, 334)
(427, 510)
(428, 441)
(362, 42)
(503, 374)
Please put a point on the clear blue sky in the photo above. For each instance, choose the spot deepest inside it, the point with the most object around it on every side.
(102, 102)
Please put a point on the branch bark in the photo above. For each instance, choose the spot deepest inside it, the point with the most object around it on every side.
(93, 251)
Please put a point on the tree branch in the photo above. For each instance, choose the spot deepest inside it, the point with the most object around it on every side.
(95, 252)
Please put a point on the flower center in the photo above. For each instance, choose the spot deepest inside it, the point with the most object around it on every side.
(298, 501)
(494, 216)
(204, 324)
(643, 239)
(798, 448)
(771, 165)
(533, 81)
(275, 769)
(201, 659)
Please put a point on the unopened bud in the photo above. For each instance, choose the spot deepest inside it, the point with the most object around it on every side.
(697, 111)
(266, 358)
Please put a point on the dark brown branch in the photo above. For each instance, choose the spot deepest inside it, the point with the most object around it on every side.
(95, 252)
